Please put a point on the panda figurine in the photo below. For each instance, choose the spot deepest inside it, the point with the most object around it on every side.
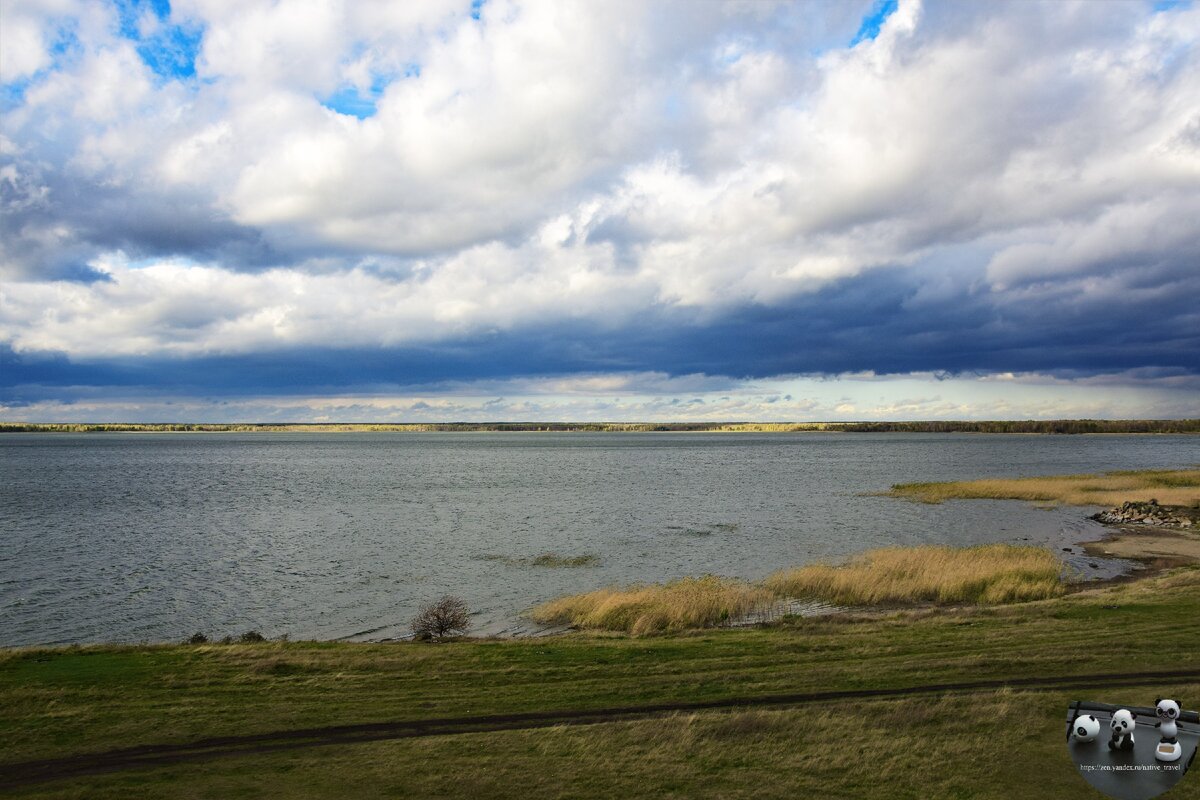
(1085, 728)
(1122, 725)
(1168, 748)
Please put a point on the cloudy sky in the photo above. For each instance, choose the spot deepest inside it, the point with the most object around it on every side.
(307, 210)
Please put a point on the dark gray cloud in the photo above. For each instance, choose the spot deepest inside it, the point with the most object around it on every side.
(881, 322)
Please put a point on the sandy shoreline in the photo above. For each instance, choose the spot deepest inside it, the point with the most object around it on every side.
(1147, 545)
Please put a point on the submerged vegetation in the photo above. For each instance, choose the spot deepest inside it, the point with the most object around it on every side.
(249, 637)
(553, 560)
(984, 575)
(549, 560)
(1180, 487)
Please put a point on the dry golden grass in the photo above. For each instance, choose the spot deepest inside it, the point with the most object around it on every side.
(986, 574)
(686, 603)
(1180, 487)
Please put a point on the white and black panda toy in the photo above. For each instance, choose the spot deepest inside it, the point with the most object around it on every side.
(1085, 728)
(1122, 725)
(1168, 748)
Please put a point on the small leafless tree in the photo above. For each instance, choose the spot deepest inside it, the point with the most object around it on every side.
(446, 617)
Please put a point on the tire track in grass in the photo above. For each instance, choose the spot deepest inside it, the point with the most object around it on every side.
(26, 773)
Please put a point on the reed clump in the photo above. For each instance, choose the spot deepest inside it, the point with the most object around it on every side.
(704, 602)
(1178, 487)
(985, 574)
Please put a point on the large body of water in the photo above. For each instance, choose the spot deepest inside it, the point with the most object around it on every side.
(130, 537)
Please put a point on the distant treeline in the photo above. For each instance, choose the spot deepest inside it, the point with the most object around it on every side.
(998, 426)
(1034, 426)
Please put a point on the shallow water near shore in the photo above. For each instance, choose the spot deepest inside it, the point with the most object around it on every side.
(132, 537)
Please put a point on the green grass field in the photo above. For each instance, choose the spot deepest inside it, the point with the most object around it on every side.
(63, 702)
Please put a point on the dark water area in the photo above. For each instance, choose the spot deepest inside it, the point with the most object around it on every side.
(132, 537)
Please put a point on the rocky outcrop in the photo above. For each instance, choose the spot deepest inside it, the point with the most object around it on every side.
(1151, 513)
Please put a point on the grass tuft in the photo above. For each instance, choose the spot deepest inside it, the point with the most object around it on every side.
(986, 574)
(686, 603)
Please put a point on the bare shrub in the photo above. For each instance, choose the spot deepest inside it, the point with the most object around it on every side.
(446, 617)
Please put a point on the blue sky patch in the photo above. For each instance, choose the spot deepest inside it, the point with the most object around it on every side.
(873, 22)
(171, 50)
(12, 94)
(171, 53)
(355, 102)
(352, 102)
(66, 42)
(65, 46)
(129, 12)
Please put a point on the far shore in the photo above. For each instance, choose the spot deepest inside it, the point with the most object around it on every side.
(1056, 427)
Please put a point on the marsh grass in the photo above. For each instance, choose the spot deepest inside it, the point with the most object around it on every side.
(1179, 487)
(985, 574)
(703, 602)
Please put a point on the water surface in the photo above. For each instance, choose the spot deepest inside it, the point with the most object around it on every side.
(130, 537)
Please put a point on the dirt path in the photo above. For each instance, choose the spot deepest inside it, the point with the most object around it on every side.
(14, 775)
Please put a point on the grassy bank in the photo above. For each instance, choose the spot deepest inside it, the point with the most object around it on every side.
(63, 701)
(985, 574)
(1180, 487)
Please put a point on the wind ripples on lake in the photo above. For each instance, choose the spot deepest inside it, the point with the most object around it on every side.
(130, 537)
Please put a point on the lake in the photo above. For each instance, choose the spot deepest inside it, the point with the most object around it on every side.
(131, 537)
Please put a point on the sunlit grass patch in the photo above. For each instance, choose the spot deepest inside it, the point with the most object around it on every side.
(986, 574)
(1169, 487)
(685, 603)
